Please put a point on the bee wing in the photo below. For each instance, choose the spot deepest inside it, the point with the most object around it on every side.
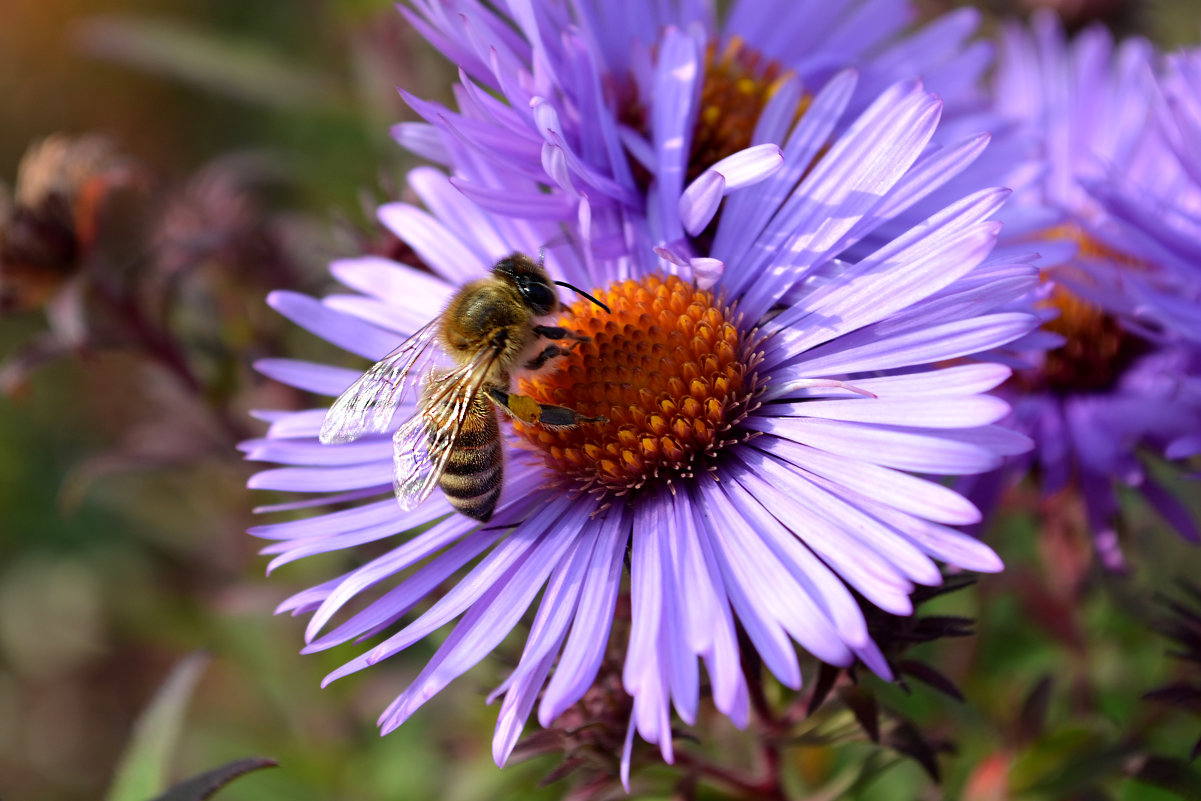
(422, 446)
(366, 407)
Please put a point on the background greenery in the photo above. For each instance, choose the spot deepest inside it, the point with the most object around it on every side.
(112, 570)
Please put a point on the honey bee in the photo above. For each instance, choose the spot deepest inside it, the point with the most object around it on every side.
(489, 329)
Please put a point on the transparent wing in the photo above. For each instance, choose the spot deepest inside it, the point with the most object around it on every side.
(366, 407)
(422, 446)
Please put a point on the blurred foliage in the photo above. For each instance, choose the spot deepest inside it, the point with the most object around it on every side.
(109, 574)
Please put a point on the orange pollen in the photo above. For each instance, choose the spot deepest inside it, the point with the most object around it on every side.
(669, 368)
(1098, 349)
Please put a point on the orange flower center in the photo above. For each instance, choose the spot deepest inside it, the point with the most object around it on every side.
(670, 369)
(1098, 349)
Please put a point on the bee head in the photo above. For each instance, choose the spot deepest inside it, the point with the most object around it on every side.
(531, 281)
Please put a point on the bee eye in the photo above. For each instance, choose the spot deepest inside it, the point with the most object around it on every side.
(538, 297)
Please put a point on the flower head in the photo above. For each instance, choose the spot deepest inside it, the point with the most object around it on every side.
(758, 457)
(1113, 365)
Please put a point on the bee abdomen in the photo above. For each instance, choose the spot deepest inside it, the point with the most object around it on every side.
(472, 478)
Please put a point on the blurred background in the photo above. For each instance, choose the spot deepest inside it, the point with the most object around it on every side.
(246, 144)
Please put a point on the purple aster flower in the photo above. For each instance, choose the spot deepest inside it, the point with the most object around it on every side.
(581, 85)
(1114, 379)
(760, 459)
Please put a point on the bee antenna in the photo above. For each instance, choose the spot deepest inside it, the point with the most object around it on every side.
(579, 291)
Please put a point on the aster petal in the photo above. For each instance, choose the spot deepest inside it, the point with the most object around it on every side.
(527, 552)
(699, 202)
(911, 268)
(845, 184)
(646, 596)
(488, 620)
(679, 664)
(746, 216)
(929, 174)
(858, 566)
(585, 647)
(434, 243)
(308, 599)
(899, 490)
(314, 454)
(515, 709)
(779, 114)
(745, 594)
(421, 547)
(901, 563)
(677, 87)
(291, 425)
(962, 379)
(556, 609)
(396, 602)
(291, 550)
(322, 500)
(401, 321)
(904, 449)
(865, 350)
(838, 615)
(332, 523)
(704, 622)
(321, 379)
(528, 205)
(783, 596)
(955, 411)
(946, 544)
(451, 199)
(333, 326)
(548, 123)
(422, 139)
(365, 475)
(393, 282)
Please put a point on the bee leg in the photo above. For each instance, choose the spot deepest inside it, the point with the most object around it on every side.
(548, 353)
(558, 332)
(528, 410)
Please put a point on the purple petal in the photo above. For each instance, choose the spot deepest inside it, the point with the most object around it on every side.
(586, 645)
(392, 605)
(422, 139)
(915, 450)
(325, 479)
(309, 376)
(898, 490)
(699, 202)
(940, 411)
(403, 556)
(394, 283)
(865, 350)
(341, 329)
(753, 603)
(527, 541)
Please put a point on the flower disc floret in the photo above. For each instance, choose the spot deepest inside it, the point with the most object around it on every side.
(671, 370)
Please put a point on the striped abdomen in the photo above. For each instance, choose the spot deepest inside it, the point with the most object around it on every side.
(472, 479)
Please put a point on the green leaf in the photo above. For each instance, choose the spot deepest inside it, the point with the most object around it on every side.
(1174, 775)
(863, 706)
(203, 786)
(142, 772)
(240, 69)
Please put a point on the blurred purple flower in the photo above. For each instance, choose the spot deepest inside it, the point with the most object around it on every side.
(1114, 364)
(762, 468)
